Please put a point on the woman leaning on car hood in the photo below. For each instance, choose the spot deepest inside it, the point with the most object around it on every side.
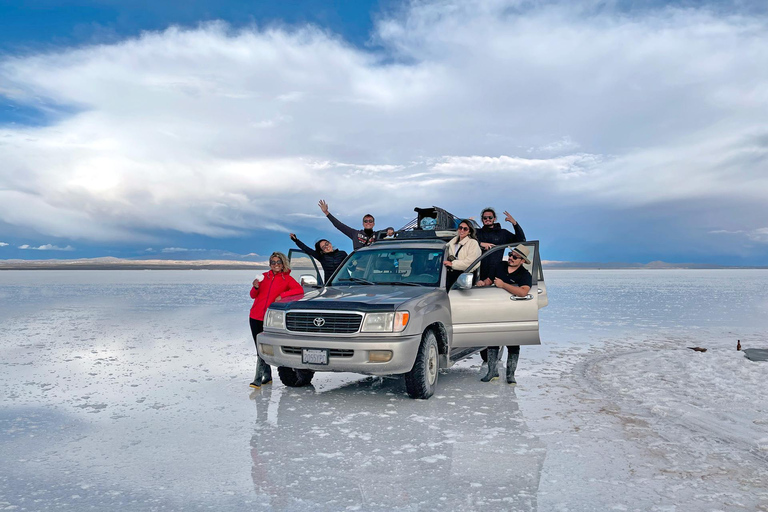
(275, 284)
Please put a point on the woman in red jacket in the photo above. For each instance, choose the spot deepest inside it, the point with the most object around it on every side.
(276, 284)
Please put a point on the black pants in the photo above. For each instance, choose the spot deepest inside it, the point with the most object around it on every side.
(451, 277)
(514, 349)
(257, 326)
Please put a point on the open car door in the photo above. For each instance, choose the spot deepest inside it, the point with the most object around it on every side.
(490, 316)
(304, 266)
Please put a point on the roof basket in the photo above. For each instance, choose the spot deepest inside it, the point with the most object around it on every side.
(431, 222)
(434, 218)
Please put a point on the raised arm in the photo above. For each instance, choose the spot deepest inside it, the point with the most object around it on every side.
(519, 235)
(304, 247)
(348, 231)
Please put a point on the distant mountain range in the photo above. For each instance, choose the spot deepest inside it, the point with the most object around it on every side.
(651, 265)
(109, 263)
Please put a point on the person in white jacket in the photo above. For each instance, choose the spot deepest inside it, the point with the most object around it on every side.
(463, 249)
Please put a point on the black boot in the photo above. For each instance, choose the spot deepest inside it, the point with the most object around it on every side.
(260, 364)
(267, 378)
(511, 367)
(493, 359)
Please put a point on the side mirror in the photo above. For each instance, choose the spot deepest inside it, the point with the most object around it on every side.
(464, 282)
(308, 280)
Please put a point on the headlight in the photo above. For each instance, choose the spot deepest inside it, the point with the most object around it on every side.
(378, 322)
(274, 319)
(385, 322)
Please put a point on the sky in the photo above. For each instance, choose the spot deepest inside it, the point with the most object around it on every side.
(613, 131)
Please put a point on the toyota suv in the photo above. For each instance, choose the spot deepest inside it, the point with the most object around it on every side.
(386, 311)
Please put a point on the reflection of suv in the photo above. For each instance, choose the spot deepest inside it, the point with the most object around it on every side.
(386, 311)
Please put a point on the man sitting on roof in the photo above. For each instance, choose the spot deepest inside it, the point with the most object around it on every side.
(360, 237)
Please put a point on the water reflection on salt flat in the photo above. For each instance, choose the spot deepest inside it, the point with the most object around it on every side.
(365, 446)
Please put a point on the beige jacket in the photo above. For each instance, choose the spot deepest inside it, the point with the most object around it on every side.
(469, 252)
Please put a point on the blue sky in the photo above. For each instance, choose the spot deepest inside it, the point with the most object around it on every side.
(613, 131)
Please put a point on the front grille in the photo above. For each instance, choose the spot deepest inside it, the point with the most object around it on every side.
(334, 352)
(331, 323)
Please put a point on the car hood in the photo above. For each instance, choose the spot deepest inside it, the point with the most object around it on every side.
(359, 298)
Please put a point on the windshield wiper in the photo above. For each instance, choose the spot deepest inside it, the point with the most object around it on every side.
(358, 280)
(403, 283)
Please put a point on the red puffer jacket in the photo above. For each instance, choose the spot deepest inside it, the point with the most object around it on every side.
(272, 286)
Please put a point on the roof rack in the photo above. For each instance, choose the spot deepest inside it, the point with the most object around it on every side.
(440, 224)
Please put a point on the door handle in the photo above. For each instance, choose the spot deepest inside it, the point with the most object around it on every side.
(540, 291)
(515, 297)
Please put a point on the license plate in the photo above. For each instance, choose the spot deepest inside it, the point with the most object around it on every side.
(314, 356)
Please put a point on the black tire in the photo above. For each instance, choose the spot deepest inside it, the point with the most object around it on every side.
(295, 378)
(421, 381)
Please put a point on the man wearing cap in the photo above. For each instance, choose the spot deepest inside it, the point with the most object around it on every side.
(515, 279)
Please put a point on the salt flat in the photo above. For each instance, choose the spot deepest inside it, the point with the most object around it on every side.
(128, 389)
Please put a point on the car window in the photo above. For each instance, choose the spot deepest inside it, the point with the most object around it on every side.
(387, 266)
(498, 256)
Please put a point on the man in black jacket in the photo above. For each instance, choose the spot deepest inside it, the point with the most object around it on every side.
(360, 237)
(491, 235)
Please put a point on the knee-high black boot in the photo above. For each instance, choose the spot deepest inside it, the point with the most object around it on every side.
(512, 359)
(493, 359)
(260, 371)
(267, 373)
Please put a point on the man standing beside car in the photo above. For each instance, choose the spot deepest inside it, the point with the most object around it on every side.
(491, 235)
(515, 279)
(360, 237)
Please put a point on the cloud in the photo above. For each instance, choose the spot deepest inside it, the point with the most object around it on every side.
(213, 132)
(759, 235)
(47, 247)
(3, 244)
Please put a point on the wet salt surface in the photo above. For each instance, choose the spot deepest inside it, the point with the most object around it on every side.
(129, 389)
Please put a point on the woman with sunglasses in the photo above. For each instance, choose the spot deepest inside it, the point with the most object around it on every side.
(463, 249)
(515, 279)
(277, 283)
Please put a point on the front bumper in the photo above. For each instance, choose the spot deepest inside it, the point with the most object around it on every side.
(287, 352)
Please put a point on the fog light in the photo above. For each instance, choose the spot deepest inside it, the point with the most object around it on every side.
(379, 356)
(267, 350)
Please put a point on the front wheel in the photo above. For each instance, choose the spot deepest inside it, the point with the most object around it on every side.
(295, 378)
(421, 381)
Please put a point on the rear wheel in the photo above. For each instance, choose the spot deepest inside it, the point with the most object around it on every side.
(421, 381)
(295, 378)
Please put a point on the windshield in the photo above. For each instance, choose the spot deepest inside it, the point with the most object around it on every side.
(406, 267)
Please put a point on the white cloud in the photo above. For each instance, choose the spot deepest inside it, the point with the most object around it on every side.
(3, 244)
(212, 132)
(47, 247)
(759, 235)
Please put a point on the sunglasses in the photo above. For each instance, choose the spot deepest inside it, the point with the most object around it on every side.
(368, 221)
(485, 217)
(275, 262)
(463, 228)
(515, 257)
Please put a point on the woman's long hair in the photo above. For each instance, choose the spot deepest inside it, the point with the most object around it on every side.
(282, 257)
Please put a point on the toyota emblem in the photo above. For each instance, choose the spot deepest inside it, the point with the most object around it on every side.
(319, 322)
